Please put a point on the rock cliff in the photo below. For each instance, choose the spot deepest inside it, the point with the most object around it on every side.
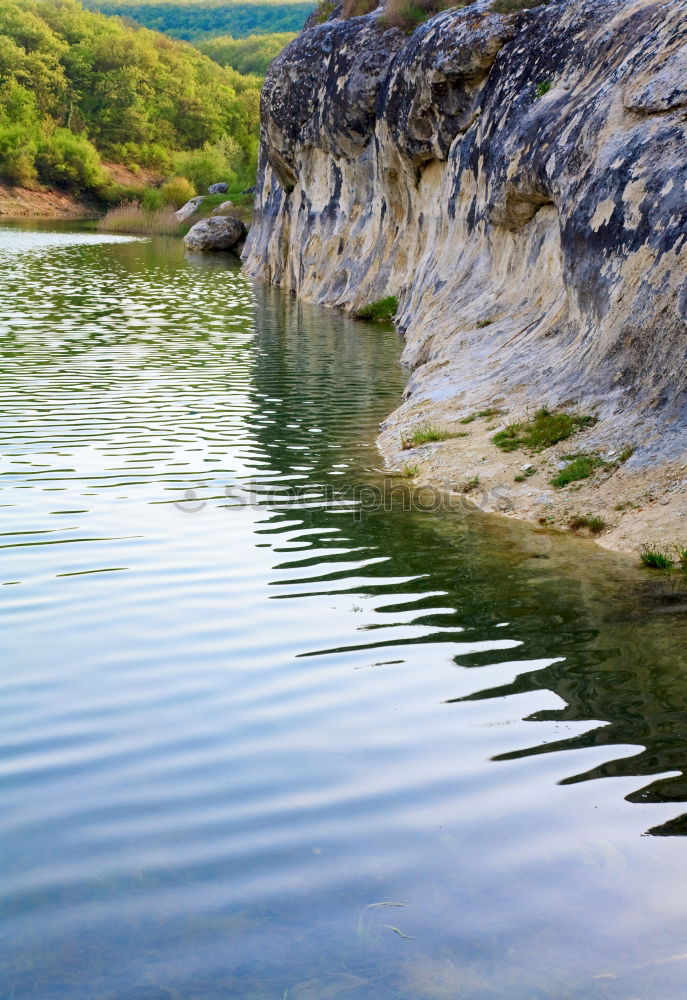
(519, 182)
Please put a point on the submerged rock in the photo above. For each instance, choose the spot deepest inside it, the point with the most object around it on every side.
(222, 233)
(189, 209)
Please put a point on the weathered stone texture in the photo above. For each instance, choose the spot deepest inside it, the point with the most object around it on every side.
(219, 233)
(529, 170)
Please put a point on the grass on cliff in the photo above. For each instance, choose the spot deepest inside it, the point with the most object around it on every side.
(425, 434)
(409, 14)
(513, 6)
(491, 412)
(542, 430)
(382, 309)
(578, 467)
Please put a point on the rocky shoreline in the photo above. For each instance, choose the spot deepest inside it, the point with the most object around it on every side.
(519, 182)
(627, 506)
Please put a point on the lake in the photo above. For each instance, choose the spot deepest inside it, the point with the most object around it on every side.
(276, 726)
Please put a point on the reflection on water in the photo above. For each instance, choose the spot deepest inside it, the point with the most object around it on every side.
(260, 741)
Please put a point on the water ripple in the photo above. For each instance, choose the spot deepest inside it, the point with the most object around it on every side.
(242, 711)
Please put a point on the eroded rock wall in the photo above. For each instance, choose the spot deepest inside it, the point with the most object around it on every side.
(518, 181)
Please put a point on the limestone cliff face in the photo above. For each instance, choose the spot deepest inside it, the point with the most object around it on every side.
(518, 181)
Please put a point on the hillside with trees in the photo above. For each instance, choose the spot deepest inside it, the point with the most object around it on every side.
(194, 20)
(246, 55)
(77, 87)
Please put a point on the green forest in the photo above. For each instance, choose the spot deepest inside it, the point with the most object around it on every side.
(201, 19)
(246, 55)
(77, 87)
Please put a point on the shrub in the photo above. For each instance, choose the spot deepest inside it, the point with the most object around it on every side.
(383, 309)
(323, 11)
(655, 558)
(152, 200)
(356, 8)
(408, 14)
(20, 133)
(18, 167)
(71, 161)
(541, 88)
(578, 467)
(118, 194)
(541, 431)
(213, 163)
(177, 192)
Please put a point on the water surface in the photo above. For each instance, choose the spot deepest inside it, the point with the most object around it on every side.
(262, 741)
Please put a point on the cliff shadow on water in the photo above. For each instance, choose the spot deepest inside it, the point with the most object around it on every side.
(605, 637)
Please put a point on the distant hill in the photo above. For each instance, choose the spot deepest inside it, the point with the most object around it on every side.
(195, 20)
(246, 55)
(77, 88)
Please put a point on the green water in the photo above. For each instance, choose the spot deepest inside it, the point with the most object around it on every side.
(243, 706)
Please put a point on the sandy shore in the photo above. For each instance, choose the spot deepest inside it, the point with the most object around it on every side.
(640, 504)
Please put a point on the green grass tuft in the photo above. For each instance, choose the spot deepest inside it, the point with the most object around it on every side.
(409, 471)
(541, 88)
(578, 467)
(542, 430)
(655, 558)
(513, 6)
(492, 412)
(383, 309)
(323, 11)
(592, 522)
(424, 434)
(470, 484)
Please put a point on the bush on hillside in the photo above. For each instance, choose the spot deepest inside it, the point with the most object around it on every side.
(70, 161)
(152, 200)
(213, 163)
(176, 192)
(75, 86)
